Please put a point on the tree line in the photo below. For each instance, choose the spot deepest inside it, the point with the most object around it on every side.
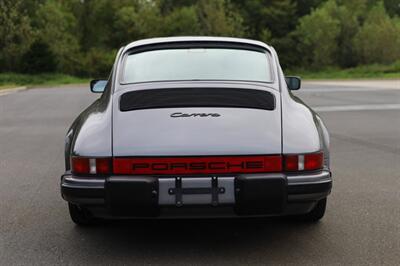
(81, 37)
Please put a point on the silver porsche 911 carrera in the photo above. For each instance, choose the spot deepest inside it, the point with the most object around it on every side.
(196, 127)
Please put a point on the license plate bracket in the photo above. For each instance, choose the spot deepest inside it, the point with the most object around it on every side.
(196, 191)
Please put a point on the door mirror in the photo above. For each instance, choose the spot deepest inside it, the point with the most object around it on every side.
(98, 85)
(293, 83)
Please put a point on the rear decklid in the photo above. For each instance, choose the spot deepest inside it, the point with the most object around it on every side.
(196, 121)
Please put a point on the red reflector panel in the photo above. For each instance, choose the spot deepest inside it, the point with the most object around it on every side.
(291, 162)
(80, 165)
(313, 161)
(103, 166)
(197, 165)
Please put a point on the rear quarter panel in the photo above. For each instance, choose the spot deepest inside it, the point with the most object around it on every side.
(303, 131)
(90, 133)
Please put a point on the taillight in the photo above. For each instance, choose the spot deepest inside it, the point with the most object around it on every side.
(103, 166)
(313, 161)
(291, 162)
(303, 162)
(90, 166)
(80, 165)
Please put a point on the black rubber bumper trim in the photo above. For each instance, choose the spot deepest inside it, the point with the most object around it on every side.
(324, 187)
(260, 195)
(133, 197)
(79, 192)
(245, 201)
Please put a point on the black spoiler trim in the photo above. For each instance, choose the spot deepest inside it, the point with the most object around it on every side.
(197, 97)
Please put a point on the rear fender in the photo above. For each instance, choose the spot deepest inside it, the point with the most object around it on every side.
(90, 134)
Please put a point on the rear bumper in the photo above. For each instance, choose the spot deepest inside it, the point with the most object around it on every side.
(297, 194)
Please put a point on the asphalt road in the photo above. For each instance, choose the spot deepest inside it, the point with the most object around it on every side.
(361, 225)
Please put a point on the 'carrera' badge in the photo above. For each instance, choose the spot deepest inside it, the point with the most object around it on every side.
(195, 115)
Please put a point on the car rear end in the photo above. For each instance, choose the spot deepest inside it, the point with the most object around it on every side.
(184, 152)
(197, 131)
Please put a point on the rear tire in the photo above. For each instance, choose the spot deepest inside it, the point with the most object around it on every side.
(315, 215)
(81, 216)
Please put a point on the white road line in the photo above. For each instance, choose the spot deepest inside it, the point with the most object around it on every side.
(361, 107)
(348, 89)
(373, 84)
(12, 90)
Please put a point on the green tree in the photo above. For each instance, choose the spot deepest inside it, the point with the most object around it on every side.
(139, 20)
(38, 59)
(392, 7)
(15, 33)
(181, 21)
(272, 21)
(58, 27)
(304, 7)
(276, 16)
(318, 33)
(349, 13)
(167, 6)
(378, 40)
(82, 36)
(218, 18)
(95, 19)
(98, 62)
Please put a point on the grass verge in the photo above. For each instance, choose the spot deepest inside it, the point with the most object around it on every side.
(8, 80)
(360, 72)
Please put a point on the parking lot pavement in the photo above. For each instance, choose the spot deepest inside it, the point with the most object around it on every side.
(361, 225)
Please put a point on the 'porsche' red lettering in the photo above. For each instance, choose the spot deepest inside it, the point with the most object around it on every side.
(197, 165)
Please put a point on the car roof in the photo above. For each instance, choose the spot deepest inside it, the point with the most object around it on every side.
(164, 40)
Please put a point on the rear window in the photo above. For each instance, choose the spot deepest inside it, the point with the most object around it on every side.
(197, 64)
